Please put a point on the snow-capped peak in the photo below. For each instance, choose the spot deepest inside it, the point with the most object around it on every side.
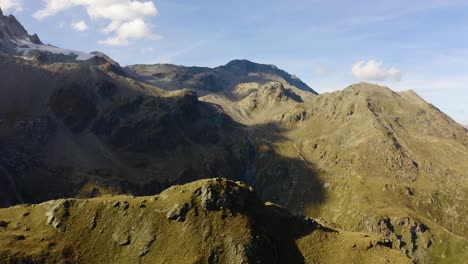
(16, 41)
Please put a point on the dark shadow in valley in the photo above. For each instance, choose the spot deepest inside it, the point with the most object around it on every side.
(276, 231)
(292, 182)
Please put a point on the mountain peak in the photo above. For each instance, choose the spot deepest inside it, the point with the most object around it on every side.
(11, 28)
(245, 62)
(35, 39)
(238, 61)
(246, 67)
(370, 89)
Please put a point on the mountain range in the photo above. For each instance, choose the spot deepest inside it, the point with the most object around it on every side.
(378, 175)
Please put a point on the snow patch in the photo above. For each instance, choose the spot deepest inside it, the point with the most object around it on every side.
(25, 47)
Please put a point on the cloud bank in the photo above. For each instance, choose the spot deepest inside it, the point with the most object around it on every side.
(126, 17)
(11, 4)
(375, 71)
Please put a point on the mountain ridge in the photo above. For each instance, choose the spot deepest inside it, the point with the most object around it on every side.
(204, 79)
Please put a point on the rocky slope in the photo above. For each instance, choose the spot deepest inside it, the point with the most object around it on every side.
(366, 158)
(77, 129)
(213, 221)
(11, 29)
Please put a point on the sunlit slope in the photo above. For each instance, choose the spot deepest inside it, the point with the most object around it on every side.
(365, 157)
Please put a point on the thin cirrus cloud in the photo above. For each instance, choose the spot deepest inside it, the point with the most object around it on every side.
(375, 71)
(126, 17)
(80, 26)
(7, 5)
(320, 70)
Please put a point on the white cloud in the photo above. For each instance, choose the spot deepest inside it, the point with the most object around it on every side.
(80, 26)
(132, 30)
(375, 71)
(6, 5)
(126, 17)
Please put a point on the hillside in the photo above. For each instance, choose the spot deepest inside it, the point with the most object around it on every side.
(365, 158)
(214, 221)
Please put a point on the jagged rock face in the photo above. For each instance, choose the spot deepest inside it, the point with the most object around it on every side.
(15, 40)
(403, 234)
(223, 78)
(11, 29)
(209, 221)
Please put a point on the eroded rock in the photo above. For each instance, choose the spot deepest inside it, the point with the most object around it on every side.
(224, 195)
(178, 212)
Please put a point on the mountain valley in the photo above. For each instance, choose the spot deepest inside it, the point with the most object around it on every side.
(244, 162)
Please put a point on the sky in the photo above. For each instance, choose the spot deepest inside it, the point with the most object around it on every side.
(411, 44)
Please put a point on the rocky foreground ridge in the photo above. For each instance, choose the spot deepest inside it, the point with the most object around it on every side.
(208, 221)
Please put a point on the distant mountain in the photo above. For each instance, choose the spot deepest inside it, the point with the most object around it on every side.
(202, 79)
(11, 30)
(15, 40)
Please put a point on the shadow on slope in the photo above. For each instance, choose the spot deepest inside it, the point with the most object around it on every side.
(283, 174)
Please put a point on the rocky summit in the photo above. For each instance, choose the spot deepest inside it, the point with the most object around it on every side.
(241, 163)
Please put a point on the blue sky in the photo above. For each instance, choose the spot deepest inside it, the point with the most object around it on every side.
(418, 45)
